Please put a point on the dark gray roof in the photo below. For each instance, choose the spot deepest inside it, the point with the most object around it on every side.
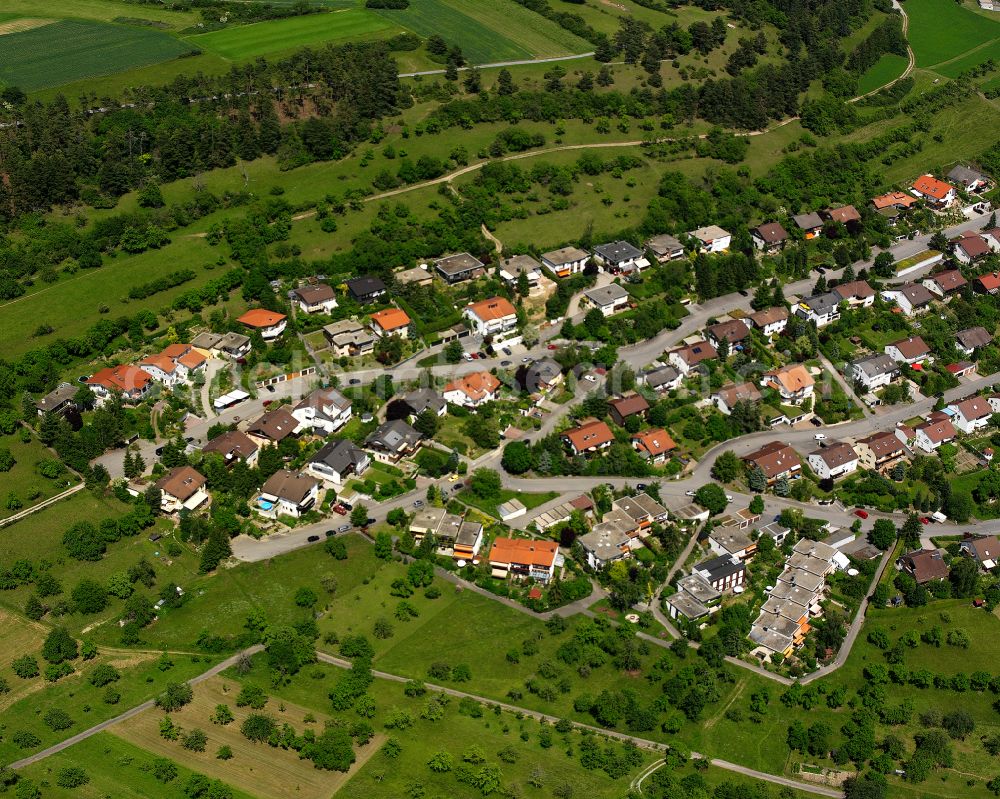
(721, 567)
(423, 399)
(808, 221)
(56, 398)
(661, 376)
(875, 365)
(617, 251)
(973, 337)
(340, 455)
(964, 175)
(393, 436)
(664, 243)
(544, 371)
(606, 295)
(457, 264)
(365, 286)
(822, 303)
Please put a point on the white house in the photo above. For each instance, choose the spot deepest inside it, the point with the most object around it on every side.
(610, 299)
(971, 414)
(665, 247)
(175, 365)
(512, 268)
(269, 324)
(287, 494)
(315, 299)
(472, 390)
(182, 488)
(873, 371)
(337, 461)
(727, 396)
(492, 316)
(912, 298)
(969, 247)
(936, 193)
(620, 256)
(833, 461)
(820, 308)
(971, 339)
(712, 238)
(770, 321)
(325, 409)
(931, 435)
(686, 358)
(969, 179)
(566, 261)
(793, 383)
(910, 350)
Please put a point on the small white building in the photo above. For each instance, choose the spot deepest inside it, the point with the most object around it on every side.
(315, 299)
(325, 409)
(610, 299)
(712, 238)
(287, 494)
(971, 414)
(492, 316)
(833, 461)
(566, 261)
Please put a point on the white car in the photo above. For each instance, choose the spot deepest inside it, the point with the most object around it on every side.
(820, 437)
(729, 497)
(590, 378)
(690, 493)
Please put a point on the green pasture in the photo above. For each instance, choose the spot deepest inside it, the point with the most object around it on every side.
(273, 36)
(889, 67)
(24, 480)
(540, 36)
(71, 49)
(941, 30)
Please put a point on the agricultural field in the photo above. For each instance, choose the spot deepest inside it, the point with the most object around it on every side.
(480, 44)
(71, 49)
(889, 67)
(24, 481)
(538, 35)
(242, 42)
(940, 31)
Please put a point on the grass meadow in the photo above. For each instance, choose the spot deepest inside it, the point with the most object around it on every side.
(71, 49)
(941, 30)
(241, 42)
(24, 481)
(888, 67)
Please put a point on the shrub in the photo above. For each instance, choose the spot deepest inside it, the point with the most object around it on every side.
(25, 740)
(71, 777)
(257, 727)
(57, 719)
(104, 674)
(195, 741)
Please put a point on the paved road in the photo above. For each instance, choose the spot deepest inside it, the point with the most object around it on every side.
(80, 736)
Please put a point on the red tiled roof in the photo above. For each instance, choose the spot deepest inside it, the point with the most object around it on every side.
(391, 319)
(492, 309)
(930, 186)
(526, 551)
(655, 442)
(590, 434)
(128, 379)
(260, 317)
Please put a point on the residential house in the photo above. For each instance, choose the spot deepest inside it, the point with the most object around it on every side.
(393, 440)
(732, 542)
(605, 544)
(543, 375)
(454, 536)
(366, 289)
(727, 396)
(769, 237)
(845, 215)
(620, 257)
(971, 339)
(270, 324)
(856, 293)
(610, 299)
(416, 276)
(315, 299)
(273, 427)
(390, 322)
(182, 488)
(131, 382)
(873, 371)
(988, 283)
(810, 224)
(776, 460)
(894, 199)
(287, 493)
(712, 238)
(983, 549)
(969, 247)
(459, 267)
(689, 356)
(512, 268)
(325, 410)
(777, 532)
(59, 400)
(566, 261)
(591, 435)
(175, 364)
(622, 408)
(992, 237)
(969, 179)
(770, 321)
(665, 247)
(931, 435)
(228, 345)
(833, 461)
(938, 194)
(654, 445)
(692, 598)
(524, 557)
(912, 298)
(924, 565)
(338, 460)
(820, 308)
(912, 350)
(723, 573)
(793, 383)
(733, 331)
(349, 338)
(472, 390)
(946, 283)
(419, 400)
(971, 414)
(491, 317)
(660, 379)
(233, 446)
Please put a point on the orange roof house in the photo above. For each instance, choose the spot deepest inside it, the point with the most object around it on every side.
(792, 382)
(472, 389)
(524, 557)
(390, 321)
(259, 318)
(893, 199)
(936, 191)
(131, 381)
(654, 444)
(590, 436)
(492, 309)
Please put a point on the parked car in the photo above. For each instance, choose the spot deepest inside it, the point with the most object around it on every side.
(924, 520)
(729, 497)
(270, 388)
(861, 513)
(690, 493)
(340, 509)
(343, 528)
(313, 539)
(418, 503)
(552, 347)
(505, 363)
(330, 533)
(507, 351)
(640, 486)
(354, 381)
(820, 437)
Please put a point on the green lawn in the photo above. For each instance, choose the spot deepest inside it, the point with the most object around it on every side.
(538, 35)
(75, 48)
(263, 38)
(24, 480)
(972, 59)
(480, 44)
(941, 30)
(888, 67)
